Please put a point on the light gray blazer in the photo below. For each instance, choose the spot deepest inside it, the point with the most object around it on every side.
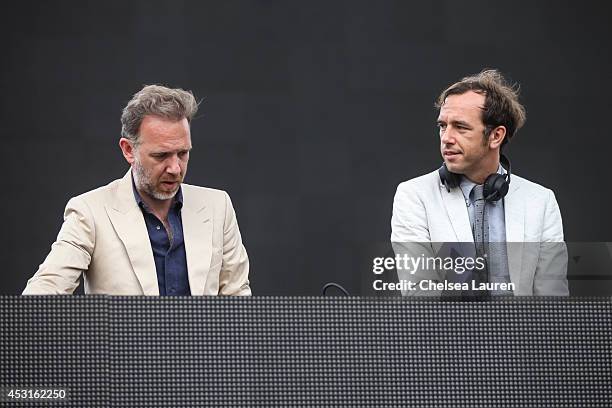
(425, 212)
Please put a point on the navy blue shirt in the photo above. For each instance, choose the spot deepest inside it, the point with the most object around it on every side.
(168, 249)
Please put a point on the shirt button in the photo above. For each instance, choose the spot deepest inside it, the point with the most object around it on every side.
(158, 227)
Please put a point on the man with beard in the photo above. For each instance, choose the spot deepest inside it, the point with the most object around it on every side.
(148, 233)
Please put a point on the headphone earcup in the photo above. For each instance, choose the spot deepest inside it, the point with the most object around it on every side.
(495, 187)
(449, 179)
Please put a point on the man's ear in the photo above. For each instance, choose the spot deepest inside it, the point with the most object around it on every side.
(496, 137)
(128, 150)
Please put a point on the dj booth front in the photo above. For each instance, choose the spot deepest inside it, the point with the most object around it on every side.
(106, 351)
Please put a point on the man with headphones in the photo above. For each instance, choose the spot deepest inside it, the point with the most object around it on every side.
(513, 226)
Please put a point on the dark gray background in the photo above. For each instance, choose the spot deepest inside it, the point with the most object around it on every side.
(312, 113)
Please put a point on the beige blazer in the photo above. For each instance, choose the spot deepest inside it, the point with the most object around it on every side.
(105, 237)
(424, 212)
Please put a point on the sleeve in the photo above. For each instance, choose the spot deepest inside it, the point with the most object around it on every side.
(410, 237)
(70, 254)
(409, 218)
(234, 275)
(551, 272)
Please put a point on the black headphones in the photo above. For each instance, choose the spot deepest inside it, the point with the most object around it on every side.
(495, 186)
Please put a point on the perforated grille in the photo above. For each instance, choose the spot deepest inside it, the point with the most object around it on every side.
(297, 352)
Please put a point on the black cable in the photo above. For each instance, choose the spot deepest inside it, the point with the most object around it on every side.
(335, 285)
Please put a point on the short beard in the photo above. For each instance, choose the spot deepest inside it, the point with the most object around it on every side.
(142, 179)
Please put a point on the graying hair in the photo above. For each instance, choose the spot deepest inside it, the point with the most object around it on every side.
(156, 100)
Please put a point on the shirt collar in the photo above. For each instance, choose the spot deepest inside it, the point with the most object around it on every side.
(467, 185)
(177, 200)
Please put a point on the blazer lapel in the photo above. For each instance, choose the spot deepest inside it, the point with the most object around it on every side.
(457, 213)
(197, 230)
(130, 226)
(515, 233)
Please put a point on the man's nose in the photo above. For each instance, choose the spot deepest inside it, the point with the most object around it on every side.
(173, 165)
(447, 136)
